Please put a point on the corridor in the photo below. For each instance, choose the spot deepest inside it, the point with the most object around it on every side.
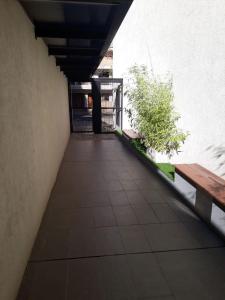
(114, 231)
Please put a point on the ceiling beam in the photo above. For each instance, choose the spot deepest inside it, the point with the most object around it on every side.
(70, 31)
(78, 77)
(60, 50)
(81, 2)
(78, 73)
(75, 69)
(75, 61)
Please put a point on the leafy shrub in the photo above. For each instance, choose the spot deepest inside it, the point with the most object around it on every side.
(151, 112)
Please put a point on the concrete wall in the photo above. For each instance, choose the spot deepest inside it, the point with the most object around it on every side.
(185, 38)
(34, 130)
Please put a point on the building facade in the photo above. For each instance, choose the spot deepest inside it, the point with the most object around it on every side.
(186, 40)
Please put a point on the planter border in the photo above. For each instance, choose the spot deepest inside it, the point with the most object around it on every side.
(165, 180)
(146, 161)
(143, 156)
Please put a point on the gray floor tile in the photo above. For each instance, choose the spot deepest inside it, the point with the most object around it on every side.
(145, 215)
(125, 215)
(136, 199)
(134, 240)
(82, 217)
(170, 236)
(51, 245)
(194, 274)
(129, 184)
(144, 183)
(25, 290)
(67, 201)
(104, 216)
(158, 298)
(112, 185)
(74, 185)
(182, 211)
(92, 223)
(164, 213)
(204, 234)
(118, 198)
(138, 172)
(84, 280)
(116, 278)
(46, 280)
(124, 175)
(153, 195)
(95, 242)
(57, 218)
(94, 199)
(78, 242)
(147, 276)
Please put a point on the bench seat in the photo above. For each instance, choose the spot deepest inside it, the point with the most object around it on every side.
(204, 180)
(131, 134)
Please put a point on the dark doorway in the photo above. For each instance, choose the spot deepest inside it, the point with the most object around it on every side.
(82, 112)
(97, 106)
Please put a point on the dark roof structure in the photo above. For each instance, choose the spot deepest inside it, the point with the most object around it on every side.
(77, 32)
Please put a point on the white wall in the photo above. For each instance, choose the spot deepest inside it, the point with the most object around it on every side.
(34, 130)
(187, 39)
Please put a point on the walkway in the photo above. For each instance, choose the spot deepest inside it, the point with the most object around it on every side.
(114, 231)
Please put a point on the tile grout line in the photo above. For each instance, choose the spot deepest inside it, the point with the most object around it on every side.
(123, 254)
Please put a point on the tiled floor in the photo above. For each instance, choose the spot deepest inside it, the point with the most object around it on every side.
(112, 230)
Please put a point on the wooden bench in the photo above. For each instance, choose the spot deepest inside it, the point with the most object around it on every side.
(130, 134)
(210, 187)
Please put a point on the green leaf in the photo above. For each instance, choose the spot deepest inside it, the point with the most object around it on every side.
(151, 111)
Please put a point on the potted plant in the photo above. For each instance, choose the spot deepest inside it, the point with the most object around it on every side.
(151, 113)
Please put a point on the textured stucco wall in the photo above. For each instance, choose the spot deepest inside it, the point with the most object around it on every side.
(34, 130)
(185, 38)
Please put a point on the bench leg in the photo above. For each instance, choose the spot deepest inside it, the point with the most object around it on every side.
(203, 205)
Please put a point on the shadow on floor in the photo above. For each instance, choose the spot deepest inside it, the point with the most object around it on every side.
(113, 230)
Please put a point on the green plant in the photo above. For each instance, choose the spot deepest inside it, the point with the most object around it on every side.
(151, 112)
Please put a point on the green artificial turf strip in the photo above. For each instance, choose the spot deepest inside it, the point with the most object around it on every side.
(119, 132)
(167, 169)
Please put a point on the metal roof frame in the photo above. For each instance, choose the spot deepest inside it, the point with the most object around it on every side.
(77, 32)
